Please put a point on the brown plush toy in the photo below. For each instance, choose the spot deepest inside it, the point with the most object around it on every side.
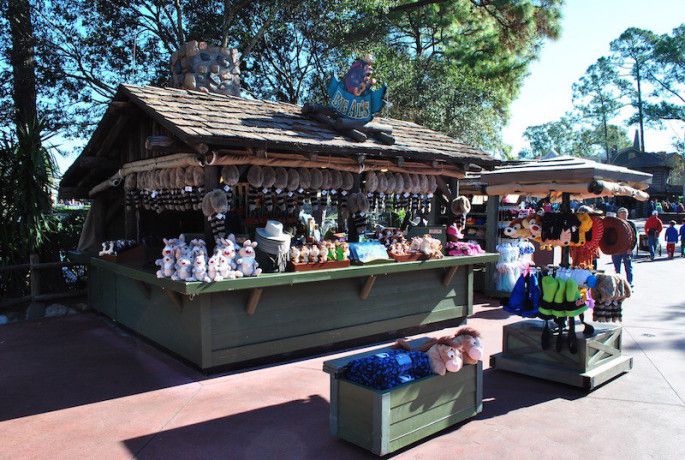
(460, 207)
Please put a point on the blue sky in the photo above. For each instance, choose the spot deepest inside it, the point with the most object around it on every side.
(587, 28)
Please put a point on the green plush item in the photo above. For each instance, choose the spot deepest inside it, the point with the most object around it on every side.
(549, 288)
(572, 296)
(561, 290)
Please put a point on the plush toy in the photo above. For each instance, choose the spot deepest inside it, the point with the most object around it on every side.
(224, 269)
(199, 268)
(184, 269)
(460, 206)
(294, 254)
(314, 254)
(247, 263)
(212, 268)
(467, 340)
(443, 355)
(255, 178)
(166, 266)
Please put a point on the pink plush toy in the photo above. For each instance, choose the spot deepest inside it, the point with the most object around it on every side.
(247, 264)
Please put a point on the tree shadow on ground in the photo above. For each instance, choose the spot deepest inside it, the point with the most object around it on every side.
(66, 362)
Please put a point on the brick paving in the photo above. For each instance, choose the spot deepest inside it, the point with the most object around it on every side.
(80, 387)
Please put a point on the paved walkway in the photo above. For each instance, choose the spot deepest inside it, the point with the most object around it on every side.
(79, 387)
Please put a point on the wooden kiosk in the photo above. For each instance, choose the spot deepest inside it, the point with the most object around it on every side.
(599, 357)
(232, 322)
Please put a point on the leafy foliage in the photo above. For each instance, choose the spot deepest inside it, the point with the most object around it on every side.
(289, 49)
(27, 173)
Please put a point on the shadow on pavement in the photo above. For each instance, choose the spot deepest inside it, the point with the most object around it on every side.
(66, 362)
(292, 430)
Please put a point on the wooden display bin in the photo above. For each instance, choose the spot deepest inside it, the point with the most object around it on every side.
(383, 421)
(598, 359)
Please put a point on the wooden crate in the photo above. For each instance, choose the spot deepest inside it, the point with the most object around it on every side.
(385, 421)
(598, 359)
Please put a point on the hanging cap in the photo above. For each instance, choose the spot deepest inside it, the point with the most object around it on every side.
(591, 281)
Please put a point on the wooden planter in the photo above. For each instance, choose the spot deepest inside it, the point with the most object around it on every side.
(598, 359)
(385, 421)
(228, 323)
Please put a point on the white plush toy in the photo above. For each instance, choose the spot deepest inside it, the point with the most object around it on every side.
(247, 263)
(166, 267)
(184, 269)
(226, 246)
(212, 268)
(199, 268)
(314, 254)
(224, 269)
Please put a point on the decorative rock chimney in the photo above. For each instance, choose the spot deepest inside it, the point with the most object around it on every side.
(197, 66)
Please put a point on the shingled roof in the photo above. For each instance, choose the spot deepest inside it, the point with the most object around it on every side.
(219, 120)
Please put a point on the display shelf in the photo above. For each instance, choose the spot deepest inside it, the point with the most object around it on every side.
(281, 279)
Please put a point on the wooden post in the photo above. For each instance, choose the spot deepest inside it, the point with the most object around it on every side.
(565, 251)
(253, 300)
(366, 290)
(449, 275)
(34, 275)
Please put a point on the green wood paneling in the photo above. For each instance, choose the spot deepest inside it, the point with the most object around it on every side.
(430, 413)
(432, 427)
(285, 312)
(355, 414)
(432, 385)
(303, 342)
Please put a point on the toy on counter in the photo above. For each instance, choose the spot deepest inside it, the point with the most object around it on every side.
(462, 248)
(430, 247)
(246, 262)
(314, 256)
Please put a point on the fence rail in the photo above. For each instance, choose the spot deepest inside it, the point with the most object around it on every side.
(34, 267)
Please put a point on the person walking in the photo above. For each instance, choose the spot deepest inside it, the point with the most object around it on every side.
(671, 239)
(659, 208)
(653, 228)
(681, 232)
(626, 258)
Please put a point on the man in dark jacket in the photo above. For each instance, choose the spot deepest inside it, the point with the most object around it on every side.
(626, 258)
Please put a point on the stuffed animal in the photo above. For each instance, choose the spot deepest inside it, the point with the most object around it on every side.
(443, 355)
(224, 269)
(314, 254)
(323, 254)
(199, 268)
(294, 254)
(214, 204)
(467, 340)
(247, 264)
(212, 268)
(183, 269)
(166, 267)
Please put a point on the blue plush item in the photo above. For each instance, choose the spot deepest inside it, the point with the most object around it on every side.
(525, 297)
(388, 369)
(591, 281)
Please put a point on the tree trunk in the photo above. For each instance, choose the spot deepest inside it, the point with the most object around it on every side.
(639, 107)
(23, 61)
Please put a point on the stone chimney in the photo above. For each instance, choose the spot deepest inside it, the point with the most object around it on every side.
(214, 69)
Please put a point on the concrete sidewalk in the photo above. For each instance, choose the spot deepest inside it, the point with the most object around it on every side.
(79, 387)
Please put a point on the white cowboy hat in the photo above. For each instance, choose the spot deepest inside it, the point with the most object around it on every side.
(273, 231)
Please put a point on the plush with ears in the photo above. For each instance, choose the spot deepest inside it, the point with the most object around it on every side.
(467, 339)
(247, 264)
